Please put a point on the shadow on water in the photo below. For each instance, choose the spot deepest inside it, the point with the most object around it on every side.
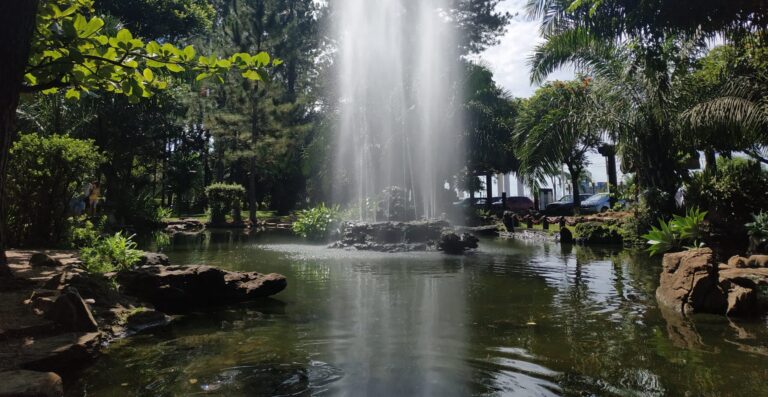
(514, 318)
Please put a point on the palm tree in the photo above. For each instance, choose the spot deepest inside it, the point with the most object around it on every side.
(638, 86)
(556, 127)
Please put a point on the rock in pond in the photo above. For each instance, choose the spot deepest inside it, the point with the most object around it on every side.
(154, 259)
(404, 237)
(452, 243)
(179, 289)
(22, 383)
(691, 282)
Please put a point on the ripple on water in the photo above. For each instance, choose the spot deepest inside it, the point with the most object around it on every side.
(512, 371)
(295, 379)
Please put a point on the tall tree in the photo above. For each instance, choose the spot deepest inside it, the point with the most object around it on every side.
(557, 126)
(58, 44)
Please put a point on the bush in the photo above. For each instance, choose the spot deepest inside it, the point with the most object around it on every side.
(45, 175)
(758, 233)
(394, 205)
(83, 232)
(597, 233)
(223, 199)
(112, 253)
(317, 223)
(681, 231)
(739, 190)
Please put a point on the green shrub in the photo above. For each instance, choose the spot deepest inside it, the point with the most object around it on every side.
(316, 223)
(84, 232)
(758, 232)
(112, 253)
(597, 233)
(739, 190)
(223, 199)
(681, 231)
(45, 175)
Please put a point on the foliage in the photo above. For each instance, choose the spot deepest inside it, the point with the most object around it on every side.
(111, 253)
(316, 223)
(84, 232)
(678, 232)
(224, 198)
(738, 190)
(490, 115)
(393, 204)
(758, 232)
(162, 18)
(73, 49)
(597, 233)
(556, 126)
(46, 176)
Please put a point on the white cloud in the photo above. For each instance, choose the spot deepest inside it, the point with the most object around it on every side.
(509, 59)
(509, 62)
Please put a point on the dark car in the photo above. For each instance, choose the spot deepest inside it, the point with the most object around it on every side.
(598, 203)
(518, 204)
(564, 206)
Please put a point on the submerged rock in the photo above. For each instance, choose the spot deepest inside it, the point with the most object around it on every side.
(179, 289)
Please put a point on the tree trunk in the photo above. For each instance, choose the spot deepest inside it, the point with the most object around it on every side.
(711, 161)
(17, 22)
(488, 191)
(575, 174)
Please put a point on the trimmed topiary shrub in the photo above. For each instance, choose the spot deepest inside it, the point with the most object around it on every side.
(225, 198)
(597, 233)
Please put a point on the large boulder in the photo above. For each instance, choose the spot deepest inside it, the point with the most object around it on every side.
(179, 289)
(689, 283)
(22, 383)
(454, 244)
(71, 312)
(39, 259)
(692, 282)
(154, 259)
(63, 353)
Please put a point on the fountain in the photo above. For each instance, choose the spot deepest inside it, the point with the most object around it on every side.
(398, 90)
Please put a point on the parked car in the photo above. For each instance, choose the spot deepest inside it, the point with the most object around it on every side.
(467, 202)
(564, 206)
(600, 202)
(518, 204)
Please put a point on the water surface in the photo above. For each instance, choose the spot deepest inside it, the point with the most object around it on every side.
(512, 319)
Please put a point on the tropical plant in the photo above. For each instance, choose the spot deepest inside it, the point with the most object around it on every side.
(557, 126)
(758, 232)
(316, 223)
(111, 253)
(682, 231)
(84, 232)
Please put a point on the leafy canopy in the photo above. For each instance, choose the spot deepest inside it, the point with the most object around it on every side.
(73, 48)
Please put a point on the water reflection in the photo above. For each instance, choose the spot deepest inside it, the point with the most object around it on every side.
(513, 319)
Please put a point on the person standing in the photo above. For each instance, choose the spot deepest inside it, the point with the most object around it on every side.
(94, 194)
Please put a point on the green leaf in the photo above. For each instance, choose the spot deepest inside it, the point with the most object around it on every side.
(148, 75)
(252, 75)
(72, 93)
(174, 68)
(262, 59)
(124, 36)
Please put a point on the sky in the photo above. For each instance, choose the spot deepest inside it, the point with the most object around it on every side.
(509, 62)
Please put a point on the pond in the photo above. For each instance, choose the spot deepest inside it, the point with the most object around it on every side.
(515, 318)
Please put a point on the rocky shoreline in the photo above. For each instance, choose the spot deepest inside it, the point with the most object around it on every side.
(58, 317)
